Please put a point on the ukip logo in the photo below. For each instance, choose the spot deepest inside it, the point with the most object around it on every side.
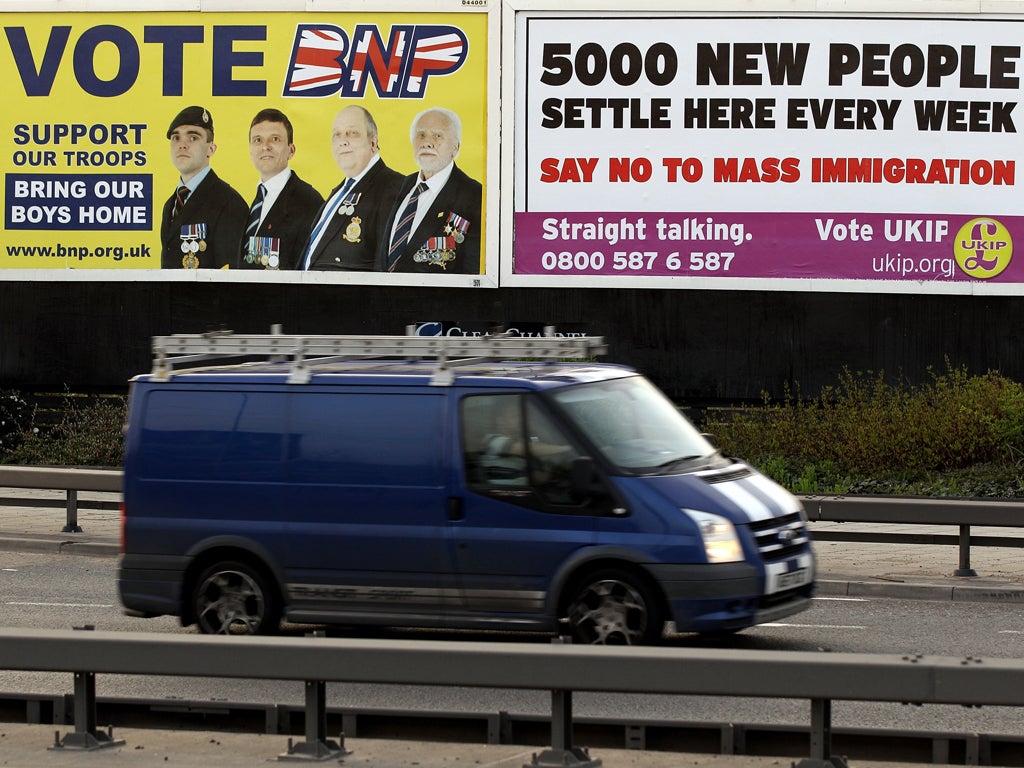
(983, 248)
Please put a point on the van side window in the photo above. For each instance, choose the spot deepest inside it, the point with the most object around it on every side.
(228, 435)
(511, 443)
(321, 450)
(494, 440)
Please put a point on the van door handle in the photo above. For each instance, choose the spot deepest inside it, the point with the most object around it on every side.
(456, 511)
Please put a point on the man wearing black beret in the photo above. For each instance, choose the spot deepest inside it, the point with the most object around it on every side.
(203, 221)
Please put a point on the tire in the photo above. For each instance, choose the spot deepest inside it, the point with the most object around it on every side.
(614, 607)
(234, 598)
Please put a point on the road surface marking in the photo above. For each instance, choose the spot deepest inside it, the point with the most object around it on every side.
(64, 605)
(843, 599)
(811, 626)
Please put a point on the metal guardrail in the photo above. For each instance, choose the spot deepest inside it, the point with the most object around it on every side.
(562, 670)
(559, 668)
(962, 513)
(66, 479)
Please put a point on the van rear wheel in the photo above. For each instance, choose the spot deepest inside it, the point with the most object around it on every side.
(614, 608)
(233, 598)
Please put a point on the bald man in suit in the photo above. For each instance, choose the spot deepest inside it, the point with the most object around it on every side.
(348, 231)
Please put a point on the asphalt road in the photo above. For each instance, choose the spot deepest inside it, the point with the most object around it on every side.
(43, 591)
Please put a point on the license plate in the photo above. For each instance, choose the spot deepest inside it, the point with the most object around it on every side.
(792, 579)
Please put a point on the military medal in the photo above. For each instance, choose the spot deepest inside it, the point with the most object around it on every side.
(265, 251)
(437, 252)
(193, 240)
(354, 230)
(251, 250)
(348, 205)
(457, 227)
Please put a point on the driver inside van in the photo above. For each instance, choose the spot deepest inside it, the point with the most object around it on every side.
(503, 458)
(519, 445)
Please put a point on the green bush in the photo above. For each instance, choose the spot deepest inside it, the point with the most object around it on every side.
(869, 435)
(954, 435)
(14, 417)
(88, 434)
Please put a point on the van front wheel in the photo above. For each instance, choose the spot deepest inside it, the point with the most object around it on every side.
(233, 598)
(614, 608)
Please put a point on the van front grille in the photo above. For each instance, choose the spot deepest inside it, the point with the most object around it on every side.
(779, 538)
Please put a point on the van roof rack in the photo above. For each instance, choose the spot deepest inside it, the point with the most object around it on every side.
(446, 352)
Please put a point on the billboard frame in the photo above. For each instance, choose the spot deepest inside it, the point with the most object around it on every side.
(513, 61)
(488, 278)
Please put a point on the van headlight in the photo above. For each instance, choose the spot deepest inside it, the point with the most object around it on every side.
(721, 544)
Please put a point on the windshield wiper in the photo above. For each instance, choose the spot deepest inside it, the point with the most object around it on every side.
(679, 460)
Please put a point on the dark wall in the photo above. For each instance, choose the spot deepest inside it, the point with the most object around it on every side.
(700, 346)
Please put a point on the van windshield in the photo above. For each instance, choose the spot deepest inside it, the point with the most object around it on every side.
(635, 426)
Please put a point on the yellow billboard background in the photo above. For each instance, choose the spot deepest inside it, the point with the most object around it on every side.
(146, 104)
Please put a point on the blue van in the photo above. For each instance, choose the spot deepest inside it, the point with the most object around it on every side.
(441, 482)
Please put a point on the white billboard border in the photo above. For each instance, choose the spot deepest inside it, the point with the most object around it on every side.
(491, 182)
(861, 8)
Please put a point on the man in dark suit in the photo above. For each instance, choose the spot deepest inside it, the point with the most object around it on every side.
(348, 231)
(203, 220)
(435, 226)
(284, 207)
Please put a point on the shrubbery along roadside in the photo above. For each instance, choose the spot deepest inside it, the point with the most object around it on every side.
(953, 435)
(86, 431)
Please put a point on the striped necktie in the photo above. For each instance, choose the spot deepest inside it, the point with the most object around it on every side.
(403, 229)
(255, 211)
(329, 210)
(179, 200)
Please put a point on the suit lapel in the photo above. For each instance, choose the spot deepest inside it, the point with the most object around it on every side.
(428, 227)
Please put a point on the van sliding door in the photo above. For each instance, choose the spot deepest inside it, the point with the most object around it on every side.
(368, 505)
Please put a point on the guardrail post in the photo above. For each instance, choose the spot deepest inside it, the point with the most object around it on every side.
(821, 738)
(562, 753)
(316, 746)
(72, 525)
(972, 749)
(86, 737)
(965, 553)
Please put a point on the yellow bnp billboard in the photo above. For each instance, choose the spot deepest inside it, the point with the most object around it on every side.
(278, 145)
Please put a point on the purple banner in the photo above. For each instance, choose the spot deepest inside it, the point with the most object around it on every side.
(854, 246)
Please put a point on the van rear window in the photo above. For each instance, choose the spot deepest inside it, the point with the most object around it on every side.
(353, 438)
(190, 435)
